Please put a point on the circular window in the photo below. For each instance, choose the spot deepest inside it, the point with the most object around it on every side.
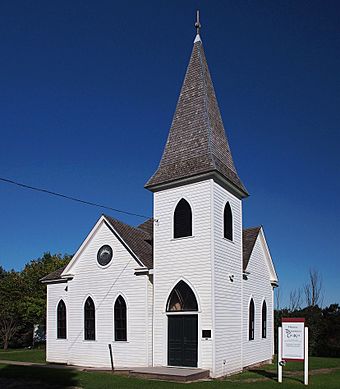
(104, 255)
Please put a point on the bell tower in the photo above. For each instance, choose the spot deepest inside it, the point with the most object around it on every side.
(198, 233)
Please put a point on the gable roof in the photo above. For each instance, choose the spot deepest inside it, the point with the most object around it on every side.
(55, 275)
(249, 236)
(138, 239)
(147, 226)
(197, 143)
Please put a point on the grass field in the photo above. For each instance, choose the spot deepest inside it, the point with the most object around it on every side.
(24, 355)
(324, 374)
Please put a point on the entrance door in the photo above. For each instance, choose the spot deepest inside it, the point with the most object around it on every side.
(182, 340)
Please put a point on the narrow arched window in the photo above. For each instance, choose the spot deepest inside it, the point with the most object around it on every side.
(89, 320)
(182, 220)
(264, 319)
(228, 222)
(182, 298)
(251, 320)
(61, 320)
(120, 319)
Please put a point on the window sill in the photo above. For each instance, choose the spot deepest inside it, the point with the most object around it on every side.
(183, 238)
(120, 341)
(228, 240)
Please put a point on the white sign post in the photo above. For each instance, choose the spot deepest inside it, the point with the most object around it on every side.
(292, 344)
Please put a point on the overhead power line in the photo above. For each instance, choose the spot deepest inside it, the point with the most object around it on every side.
(49, 192)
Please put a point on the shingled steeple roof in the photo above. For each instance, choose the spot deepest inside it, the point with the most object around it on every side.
(197, 144)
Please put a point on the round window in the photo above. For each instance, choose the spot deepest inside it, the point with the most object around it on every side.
(104, 255)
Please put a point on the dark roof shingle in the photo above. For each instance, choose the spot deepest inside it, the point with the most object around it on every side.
(249, 236)
(55, 275)
(138, 239)
(197, 142)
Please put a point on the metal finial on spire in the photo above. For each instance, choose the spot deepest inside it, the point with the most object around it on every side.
(198, 24)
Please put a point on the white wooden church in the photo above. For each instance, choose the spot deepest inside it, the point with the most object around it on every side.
(190, 287)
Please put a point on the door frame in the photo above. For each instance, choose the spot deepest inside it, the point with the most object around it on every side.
(182, 313)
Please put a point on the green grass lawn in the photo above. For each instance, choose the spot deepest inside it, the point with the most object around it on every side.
(263, 377)
(24, 355)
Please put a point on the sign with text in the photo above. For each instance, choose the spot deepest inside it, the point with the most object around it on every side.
(293, 334)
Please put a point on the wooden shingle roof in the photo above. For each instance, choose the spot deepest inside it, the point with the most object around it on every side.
(197, 143)
(140, 241)
(55, 275)
(249, 236)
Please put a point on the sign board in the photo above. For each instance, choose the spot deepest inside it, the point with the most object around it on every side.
(293, 334)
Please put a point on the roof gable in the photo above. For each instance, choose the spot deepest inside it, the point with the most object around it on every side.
(250, 237)
(137, 241)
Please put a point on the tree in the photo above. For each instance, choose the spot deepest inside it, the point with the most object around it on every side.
(10, 297)
(23, 298)
(313, 289)
(34, 298)
(295, 298)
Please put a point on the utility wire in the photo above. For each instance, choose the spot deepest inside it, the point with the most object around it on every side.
(69, 197)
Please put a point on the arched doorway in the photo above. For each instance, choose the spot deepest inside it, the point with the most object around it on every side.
(182, 326)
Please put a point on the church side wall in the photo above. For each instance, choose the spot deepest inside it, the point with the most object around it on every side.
(259, 288)
(56, 349)
(185, 258)
(150, 318)
(227, 293)
(104, 285)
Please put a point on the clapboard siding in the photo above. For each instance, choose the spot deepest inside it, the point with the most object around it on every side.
(150, 318)
(104, 285)
(56, 349)
(258, 287)
(227, 294)
(184, 258)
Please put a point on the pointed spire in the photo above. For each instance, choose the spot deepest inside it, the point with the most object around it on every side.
(197, 26)
(197, 144)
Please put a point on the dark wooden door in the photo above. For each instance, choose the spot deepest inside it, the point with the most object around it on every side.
(182, 340)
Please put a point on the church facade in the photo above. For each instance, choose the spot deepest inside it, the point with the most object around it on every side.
(190, 287)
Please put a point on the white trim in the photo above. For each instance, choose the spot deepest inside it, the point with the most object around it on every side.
(111, 260)
(270, 263)
(212, 259)
(248, 316)
(193, 290)
(232, 222)
(102, 220)
(127, 318)
(56, 320)
(66, 271)
(173, 219)
(95, 319)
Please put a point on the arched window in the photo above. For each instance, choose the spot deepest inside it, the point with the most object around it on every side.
(181, 298)
(89, 320)
(61, 320)
(182, 220)
(120, 319)
(251, 320)
(264, 319)
(228, 222)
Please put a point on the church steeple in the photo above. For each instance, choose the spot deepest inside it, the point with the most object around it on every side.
(197, 145)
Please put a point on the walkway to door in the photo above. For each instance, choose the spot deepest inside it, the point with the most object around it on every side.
(170, 373)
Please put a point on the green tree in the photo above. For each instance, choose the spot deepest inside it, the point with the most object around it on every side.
(34, 299)
(11, 287)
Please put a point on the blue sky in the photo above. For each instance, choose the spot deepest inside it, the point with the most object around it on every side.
(88, 90)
